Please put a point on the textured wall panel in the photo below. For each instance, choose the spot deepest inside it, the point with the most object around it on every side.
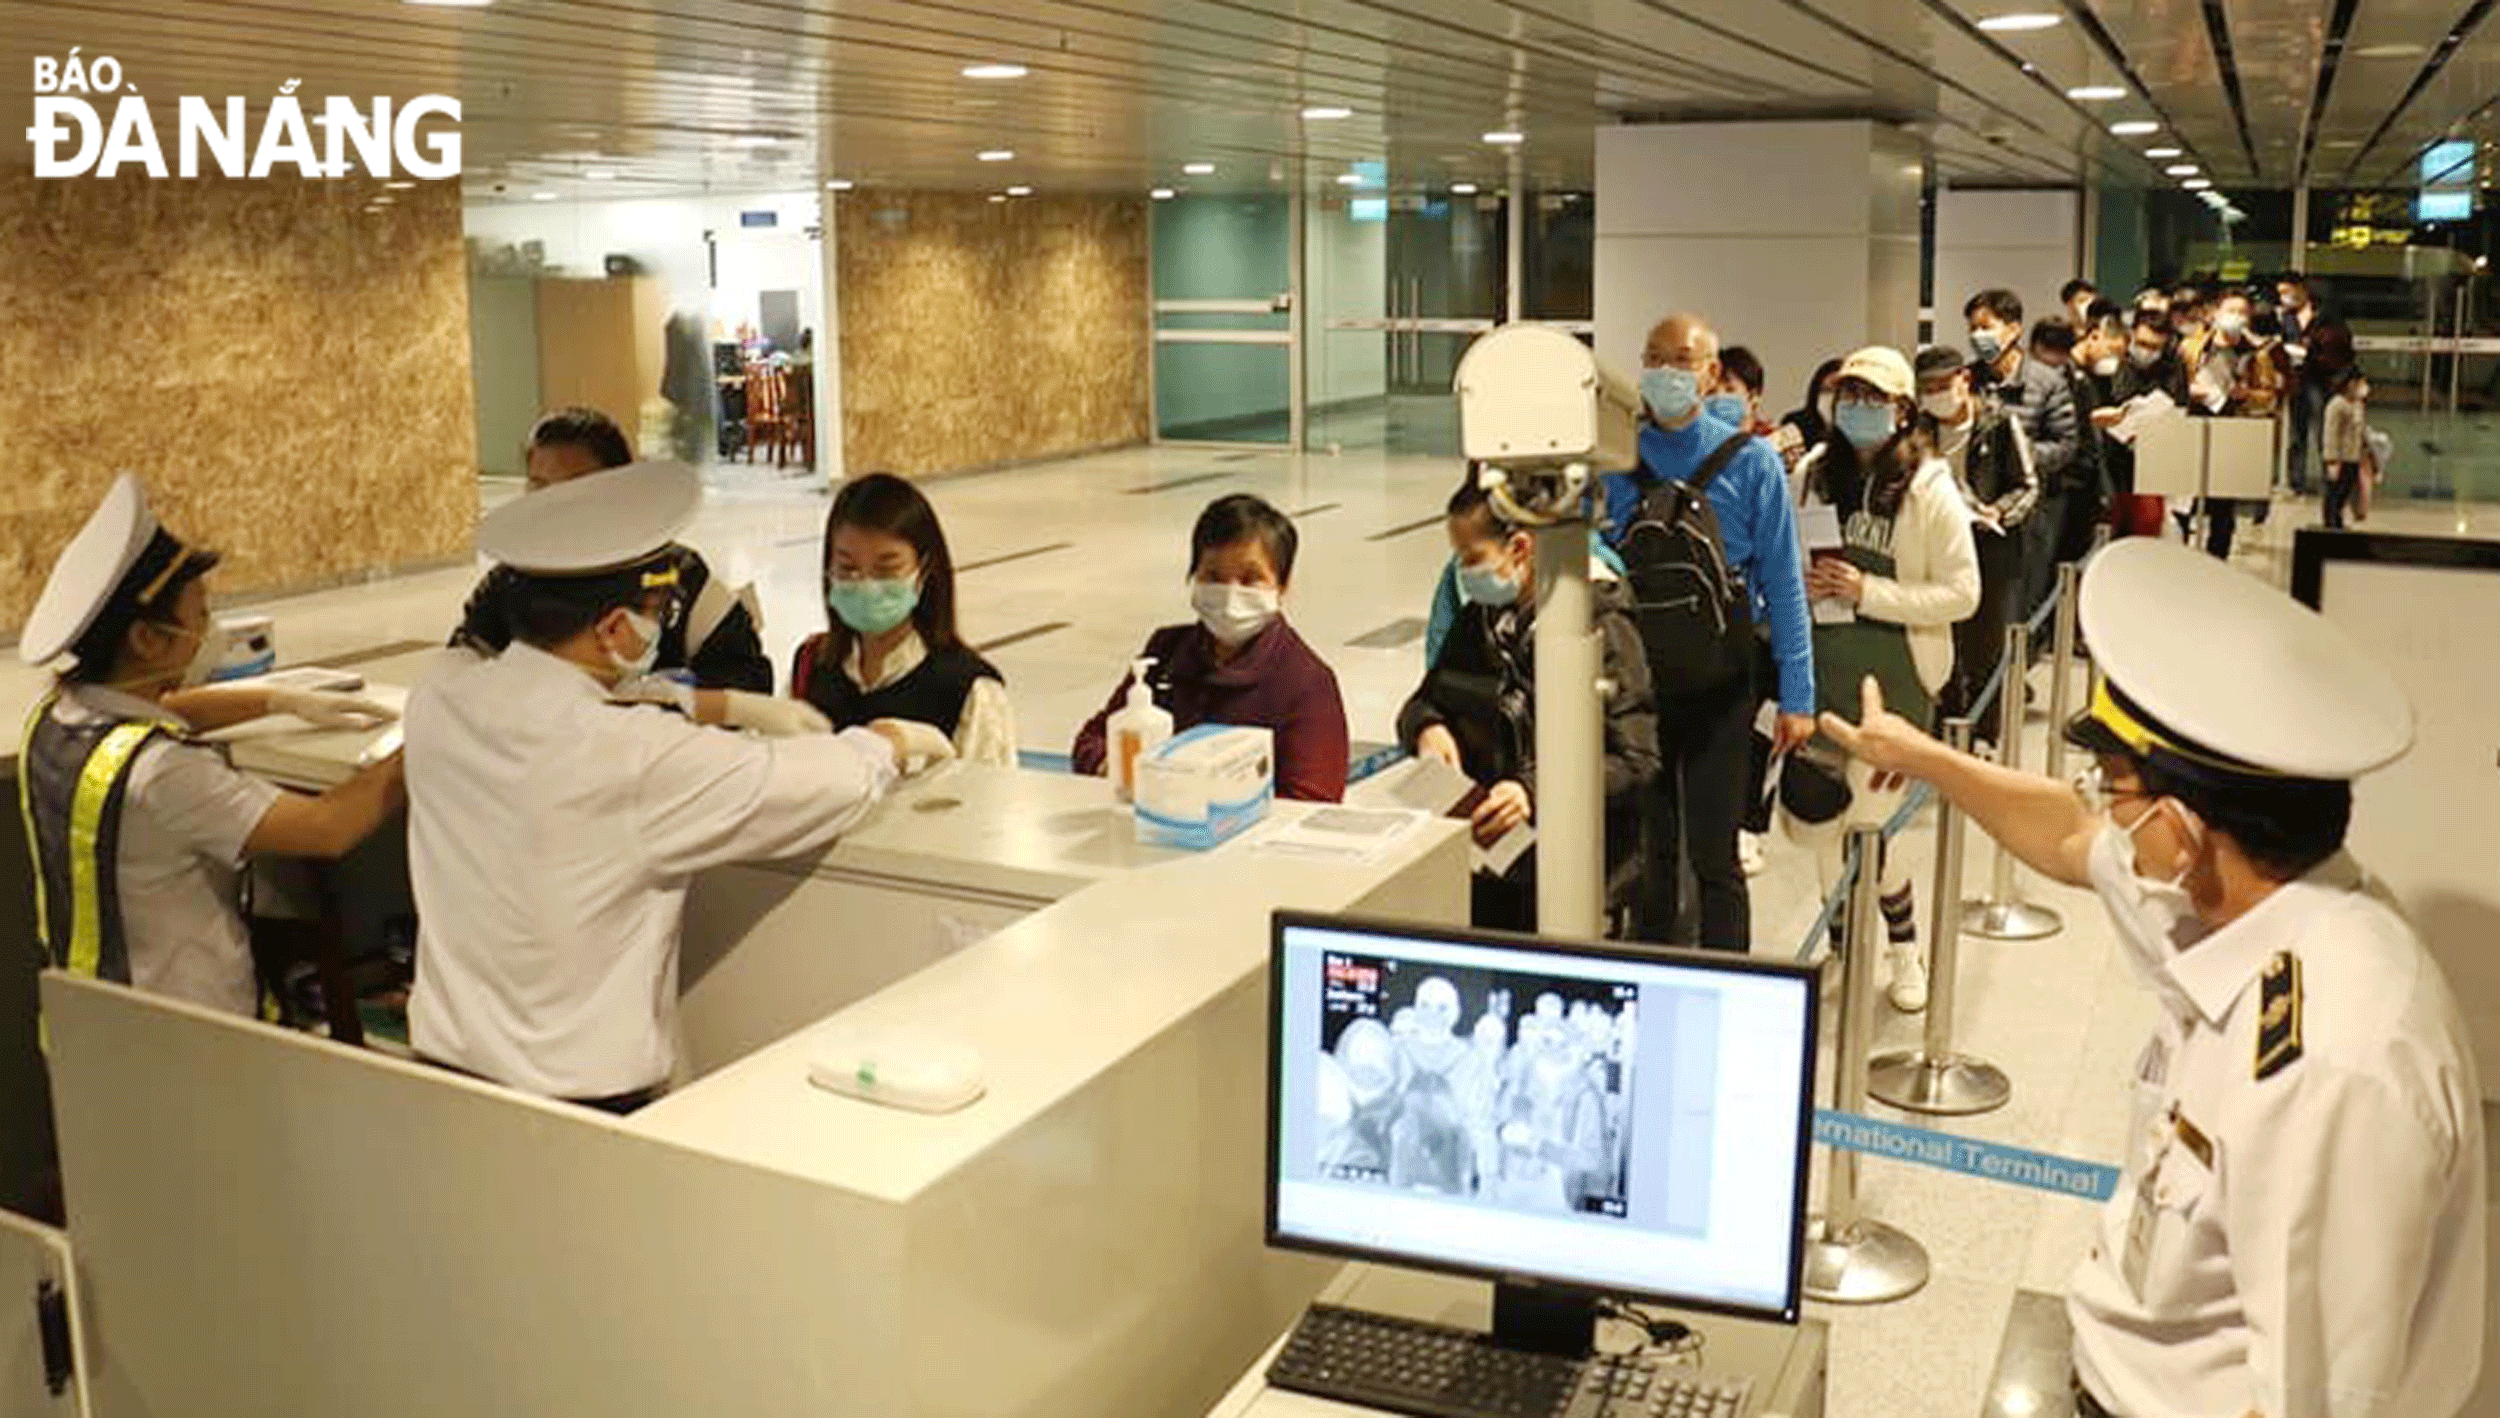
(978, 332)
(288, 372)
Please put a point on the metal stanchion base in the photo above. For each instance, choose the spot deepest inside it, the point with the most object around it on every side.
(1953, 1086)
(1868, 1264)
(2009, 920)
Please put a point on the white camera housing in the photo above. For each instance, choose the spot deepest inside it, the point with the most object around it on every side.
(1536, 406)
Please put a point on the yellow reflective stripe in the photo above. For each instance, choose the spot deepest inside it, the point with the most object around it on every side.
(2142, 738)
(26, 812)
(86, 821)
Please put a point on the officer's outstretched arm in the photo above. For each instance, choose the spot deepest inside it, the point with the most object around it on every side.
(331, 825)
(2040, 820)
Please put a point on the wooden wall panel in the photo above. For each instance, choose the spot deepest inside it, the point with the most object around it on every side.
(288, 372)
(976, 332)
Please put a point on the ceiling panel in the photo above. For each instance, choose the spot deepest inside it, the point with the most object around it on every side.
(746, 93)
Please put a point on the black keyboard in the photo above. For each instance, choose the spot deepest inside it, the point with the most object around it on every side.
(1408, 1366)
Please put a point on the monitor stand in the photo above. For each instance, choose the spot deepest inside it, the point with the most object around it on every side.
(1545, 1320)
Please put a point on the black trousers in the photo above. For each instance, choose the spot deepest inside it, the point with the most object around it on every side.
(1696, 804)
(1979, 641)
(2342, 481)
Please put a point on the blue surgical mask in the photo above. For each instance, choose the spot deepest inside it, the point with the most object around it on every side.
(1671, 393)
(1987, 343)
(1865, 425)
(874, 607)
(1487, 585)
(1729, 409)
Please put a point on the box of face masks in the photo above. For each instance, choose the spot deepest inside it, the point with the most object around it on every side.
(1205, 786)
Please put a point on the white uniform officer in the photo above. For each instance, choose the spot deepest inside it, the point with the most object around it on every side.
(2299, 1232)
(553, 830)
(139, 831)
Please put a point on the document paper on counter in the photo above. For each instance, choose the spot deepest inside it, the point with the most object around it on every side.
(1352, 836)
(1434, 787)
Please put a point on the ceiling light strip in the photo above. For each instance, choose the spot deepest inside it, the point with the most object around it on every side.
(1989, 42)
(2081, 16)
(2463, 29)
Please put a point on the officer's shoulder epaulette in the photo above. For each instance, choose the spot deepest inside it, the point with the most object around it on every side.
(2278, 1019)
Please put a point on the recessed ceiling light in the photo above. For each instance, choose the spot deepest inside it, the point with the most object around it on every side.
(1019, 191)
(2134, 128)
(598, 174)
(542, 196)
(2341, 143)
(2197, 184)
(998, 196)
(2096, 93)
(2181, 169)
(1350, 179)
(2017, 21)
(1506, 139)
(2162, 152)
(1462, 189)
(399, 186)
(1161, 194)
(998, 155)
(1198, 169)
(1324, 113)
(2396, 50)
(994, 71)
(839, 184)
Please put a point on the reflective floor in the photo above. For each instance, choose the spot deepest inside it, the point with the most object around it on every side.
(1066, 567)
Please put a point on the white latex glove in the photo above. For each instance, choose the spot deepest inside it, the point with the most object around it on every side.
(917, 745)
(773, 717)
(324, 709)
(654, 689)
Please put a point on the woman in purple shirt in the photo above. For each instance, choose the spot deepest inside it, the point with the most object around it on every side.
(1240, 663)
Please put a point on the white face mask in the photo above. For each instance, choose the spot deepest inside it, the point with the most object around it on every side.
(2105, 366)
(1235, 615)
(647, 628)
(1945, 405)
(2155, 919)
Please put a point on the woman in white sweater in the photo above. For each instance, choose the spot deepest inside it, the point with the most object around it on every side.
(1908, 571)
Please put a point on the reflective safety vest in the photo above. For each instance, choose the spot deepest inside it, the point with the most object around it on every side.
(71, 782)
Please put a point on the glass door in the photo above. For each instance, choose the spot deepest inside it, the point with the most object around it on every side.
(1400, 285)
(1223, 320)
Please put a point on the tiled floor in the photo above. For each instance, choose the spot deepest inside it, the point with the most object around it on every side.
(1075, 562)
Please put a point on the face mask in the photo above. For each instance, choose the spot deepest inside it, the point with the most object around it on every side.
(1234, 615)
(1729, 409)
(1487, 585)
(1671, 393)
(1944, 407)
(2231, 323)
(649, 630)
(2155, 919)
(874, 607)
(2105, 366)
(203, 661)
(1865, 425)
(1987, 343)
(2143, 356)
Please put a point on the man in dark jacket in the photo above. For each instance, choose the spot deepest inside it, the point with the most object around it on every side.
(2150, 364)
(1476, 709)
(2005, 374)
(1993, 465)
(715, 641)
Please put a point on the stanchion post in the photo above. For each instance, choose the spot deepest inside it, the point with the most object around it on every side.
(1852, 1259)
(1934, 1078)
(2003, 914)
(2062, 668)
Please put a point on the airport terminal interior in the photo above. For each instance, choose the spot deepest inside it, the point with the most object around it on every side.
(1082, 280)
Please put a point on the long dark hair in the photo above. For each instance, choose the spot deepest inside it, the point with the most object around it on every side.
(1876, 482)
(1808, 417)
(882, 502)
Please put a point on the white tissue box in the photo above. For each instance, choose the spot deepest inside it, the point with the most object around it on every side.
(1205, 786)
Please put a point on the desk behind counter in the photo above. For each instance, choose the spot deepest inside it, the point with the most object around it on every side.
(1085, 1239)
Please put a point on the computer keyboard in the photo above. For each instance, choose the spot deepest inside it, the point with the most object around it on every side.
(1408, 1366)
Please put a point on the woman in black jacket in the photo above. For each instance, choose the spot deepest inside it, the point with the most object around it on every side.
(1476, 709)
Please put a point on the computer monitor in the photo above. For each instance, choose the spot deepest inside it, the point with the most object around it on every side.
(1581, 1119)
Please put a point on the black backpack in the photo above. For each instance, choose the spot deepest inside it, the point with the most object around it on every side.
(1695, 617)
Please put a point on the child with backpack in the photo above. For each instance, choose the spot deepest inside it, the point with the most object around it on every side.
(1909, 570)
